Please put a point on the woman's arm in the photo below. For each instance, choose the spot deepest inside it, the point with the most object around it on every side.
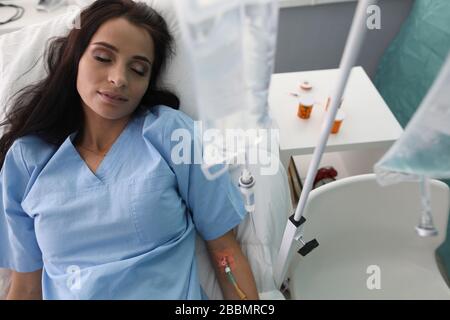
(226, 250)
(25, 286)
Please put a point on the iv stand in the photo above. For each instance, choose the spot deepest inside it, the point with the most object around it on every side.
(293, 228)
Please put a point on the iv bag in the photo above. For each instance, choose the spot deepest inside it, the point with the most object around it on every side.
(212, 32)
(259, 57)
(231, 49)
(423, 150)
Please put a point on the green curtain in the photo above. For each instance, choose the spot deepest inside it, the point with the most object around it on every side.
(410, 65)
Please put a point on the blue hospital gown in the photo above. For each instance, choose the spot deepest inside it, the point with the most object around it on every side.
(125, 232)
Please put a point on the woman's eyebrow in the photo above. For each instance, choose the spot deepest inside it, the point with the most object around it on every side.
(110, 46)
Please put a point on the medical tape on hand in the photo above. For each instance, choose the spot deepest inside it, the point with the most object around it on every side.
(223, 259)
(225, 262)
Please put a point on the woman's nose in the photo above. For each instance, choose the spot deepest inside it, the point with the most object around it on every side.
(118, 76)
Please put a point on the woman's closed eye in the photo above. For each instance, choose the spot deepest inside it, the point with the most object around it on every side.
(101, 59)
(140, 70)
(137, 69)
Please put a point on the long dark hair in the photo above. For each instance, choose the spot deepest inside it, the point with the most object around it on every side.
(52, 108)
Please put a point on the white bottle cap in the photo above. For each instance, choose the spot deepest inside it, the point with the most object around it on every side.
(340, 116)
(305, 85)
(306, 100)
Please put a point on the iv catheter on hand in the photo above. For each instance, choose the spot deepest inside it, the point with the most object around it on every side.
(231, 279)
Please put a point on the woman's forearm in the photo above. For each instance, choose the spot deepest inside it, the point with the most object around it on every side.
(14, 294)
(243, 277)
(232, 268)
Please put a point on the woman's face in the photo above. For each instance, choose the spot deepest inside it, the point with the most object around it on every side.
(114, 71)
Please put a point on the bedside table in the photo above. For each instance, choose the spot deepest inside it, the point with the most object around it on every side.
(30, 16)
(368, 124)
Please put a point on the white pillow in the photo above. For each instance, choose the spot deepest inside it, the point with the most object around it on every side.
(21, 54)
(177, 77)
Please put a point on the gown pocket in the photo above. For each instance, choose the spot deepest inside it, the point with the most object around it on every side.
(157, 209)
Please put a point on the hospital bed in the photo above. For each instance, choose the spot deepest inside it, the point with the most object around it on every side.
(21, 64)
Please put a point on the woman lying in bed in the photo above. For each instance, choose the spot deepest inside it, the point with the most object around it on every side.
(92, 203)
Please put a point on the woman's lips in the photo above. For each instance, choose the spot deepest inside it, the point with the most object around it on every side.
(111, 100)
